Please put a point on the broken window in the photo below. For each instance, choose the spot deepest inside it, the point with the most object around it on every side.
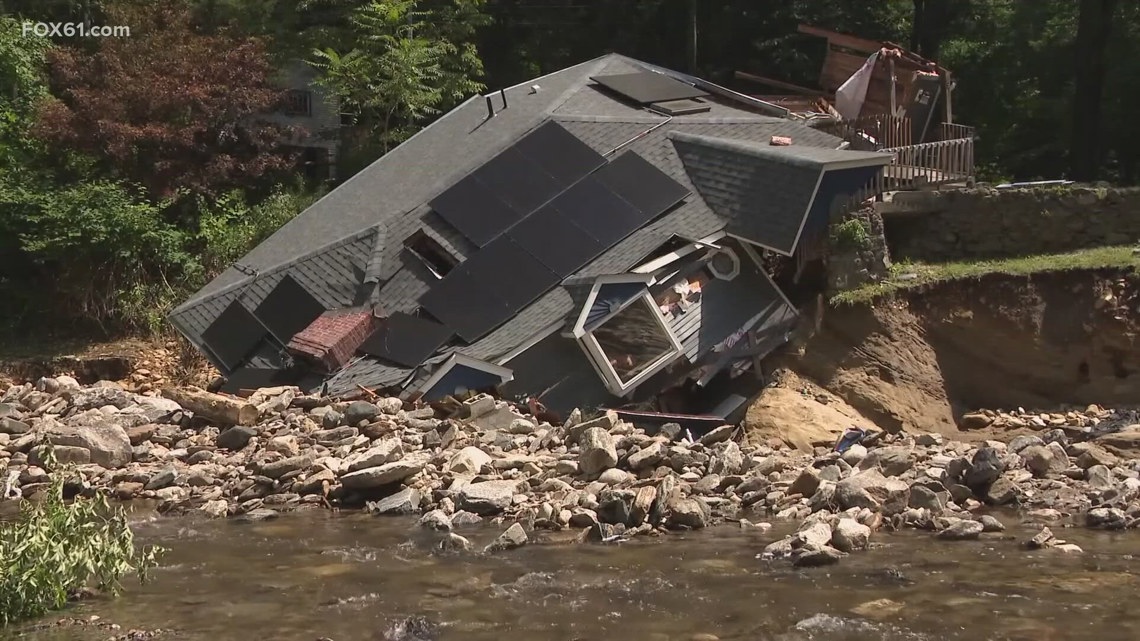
(432, 254)
(298, 102)
(634, 340)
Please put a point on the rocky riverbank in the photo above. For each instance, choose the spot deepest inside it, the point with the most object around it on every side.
(601, 477)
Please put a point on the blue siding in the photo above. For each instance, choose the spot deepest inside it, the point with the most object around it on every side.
(461, 377)
(835, 182)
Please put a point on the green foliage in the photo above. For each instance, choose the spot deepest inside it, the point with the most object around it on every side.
(851, 235)
(403, 65)
(54, 549)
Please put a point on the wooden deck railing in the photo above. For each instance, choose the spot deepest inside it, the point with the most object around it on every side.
(871, 133)
(932, 163)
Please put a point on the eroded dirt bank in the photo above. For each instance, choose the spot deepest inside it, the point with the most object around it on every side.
(923, 359)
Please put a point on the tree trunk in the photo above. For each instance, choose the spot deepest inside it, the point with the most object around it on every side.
(929, 27)
(1093, 26)
(214, 407)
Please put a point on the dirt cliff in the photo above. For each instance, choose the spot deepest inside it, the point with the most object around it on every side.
(922, 358)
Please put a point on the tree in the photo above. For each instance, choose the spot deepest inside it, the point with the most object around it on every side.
(404, 65)
(1093, 28)
(169, 108)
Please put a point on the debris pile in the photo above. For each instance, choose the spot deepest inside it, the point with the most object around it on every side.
(279, 450)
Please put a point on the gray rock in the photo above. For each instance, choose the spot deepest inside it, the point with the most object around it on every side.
(870, 489)
(108, 443)
(358, 412)
(1107, 518)
(1099, 477)
(1043, 461)
(854, 455)
(813, 557)
(522, 426)
(991, 524)
(332, 419)
(489, 497)
(962, 530)
(727, 459)
(606, 422)
(161, 479)
(850, 535)
(514, 537)
(254, 516)
(406, 501)
(61, 454)
(436, 520)
(985, 468)
(468, 461)
(806, 483)
(718, 435)
(596, 452)
(236, 437)
(687, 513)
(583, 518)
(385, 451)
(455, 543)
(279, 468)
(1041, 540)
(923, 497)
(613, 476)
(394, 472)
(1002, 491)
(1089, 454)
(893, 460)
(1019, 443)
(646, 457)
(616, 507)
(463, 517)
(11, 426)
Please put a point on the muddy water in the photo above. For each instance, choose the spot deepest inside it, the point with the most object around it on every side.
(349, 577)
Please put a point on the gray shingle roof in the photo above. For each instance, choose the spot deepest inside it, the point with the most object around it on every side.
(392, 195)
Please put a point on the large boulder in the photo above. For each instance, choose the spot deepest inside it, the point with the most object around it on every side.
(850, 535)
(488, 497)
(359, 412)
(893, 460)
(108, 443)
(468, 461)
(596, 452)
(689, 513)
(870, 489)
(985, 468)
(727, 459)
(394, 472)
(386, 451)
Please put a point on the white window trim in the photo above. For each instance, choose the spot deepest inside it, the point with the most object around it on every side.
(735, 265)
(579, 328)
(601, 362)
(506, 375)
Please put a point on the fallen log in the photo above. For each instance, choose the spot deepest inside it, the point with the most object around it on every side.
(214, 407)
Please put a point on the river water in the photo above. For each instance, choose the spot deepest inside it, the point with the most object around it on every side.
(350, 577)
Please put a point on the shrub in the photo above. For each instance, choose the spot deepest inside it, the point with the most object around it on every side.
(851, 234)
(54, 549)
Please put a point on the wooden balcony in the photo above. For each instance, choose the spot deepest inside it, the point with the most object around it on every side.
(947, 159)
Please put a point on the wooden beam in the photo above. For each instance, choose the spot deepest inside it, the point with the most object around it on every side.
(946, 86)
(894, 99)
(780, 84)
(843, 40)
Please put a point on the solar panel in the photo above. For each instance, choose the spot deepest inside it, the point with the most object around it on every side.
(560, 154)
(518, 181)
(645, 87)
(519, 277)
(406, 340)
(642, 185)
(473, 209)
(556, 242)
(288, 309)
(468, 307)
(233, 335)
(598, 211)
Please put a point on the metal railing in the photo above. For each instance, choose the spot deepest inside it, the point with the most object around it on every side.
(931, 163)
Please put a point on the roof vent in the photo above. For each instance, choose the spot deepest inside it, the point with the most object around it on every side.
(681, 107)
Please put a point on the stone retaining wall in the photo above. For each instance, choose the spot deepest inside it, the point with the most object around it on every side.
(988, 223)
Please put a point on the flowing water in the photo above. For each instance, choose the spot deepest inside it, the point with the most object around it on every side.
(351, 577)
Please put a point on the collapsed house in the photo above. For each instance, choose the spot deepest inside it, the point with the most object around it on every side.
(592, 238)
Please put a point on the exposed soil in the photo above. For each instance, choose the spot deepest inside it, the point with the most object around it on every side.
(922, 358)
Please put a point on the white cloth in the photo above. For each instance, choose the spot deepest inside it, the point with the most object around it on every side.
(851, 94)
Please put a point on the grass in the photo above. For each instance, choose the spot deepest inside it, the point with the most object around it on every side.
(911, 275)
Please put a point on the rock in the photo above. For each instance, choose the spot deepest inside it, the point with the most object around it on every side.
(893, 461)
(455, 543)
(1099, 477)
(1042, 539)
(583, 518)
(596, 452)
(854, 455)
(436, 520)
(985, 468)
(12, 426)
(513, 537)
(1021, 442)
(1002, 491)
(1107, 518)
(613, 476)
(161, 479)
(1042, 461)
(463, 517)
(962, 530)
(1069, 548)
(727, 459)
(359, 412)
(468, 461)
(642, 505)
(925, 498)
(646, 457)
(689, 513)
(406, 501)
(255, 516)
(991, 524)
(62, 455)
(806, 483)
(879, 609)
(108, 443)
(522, 426)
(718, 435)
(974, 421)
(488, 497)
(870, 489)
(606, 422)
(850, 535)
(385, 451)
(277, 469)
(382, 475)
(1090, 455)
(812, 557)
(236, 437)
(928, 439)
(215, 509)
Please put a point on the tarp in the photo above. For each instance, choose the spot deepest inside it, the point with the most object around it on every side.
(851, 94)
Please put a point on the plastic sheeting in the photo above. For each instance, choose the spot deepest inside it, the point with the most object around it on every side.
(851, 94)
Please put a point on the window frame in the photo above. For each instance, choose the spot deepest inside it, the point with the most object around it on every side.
(435, 246)
(600, 360)
(294, 96)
